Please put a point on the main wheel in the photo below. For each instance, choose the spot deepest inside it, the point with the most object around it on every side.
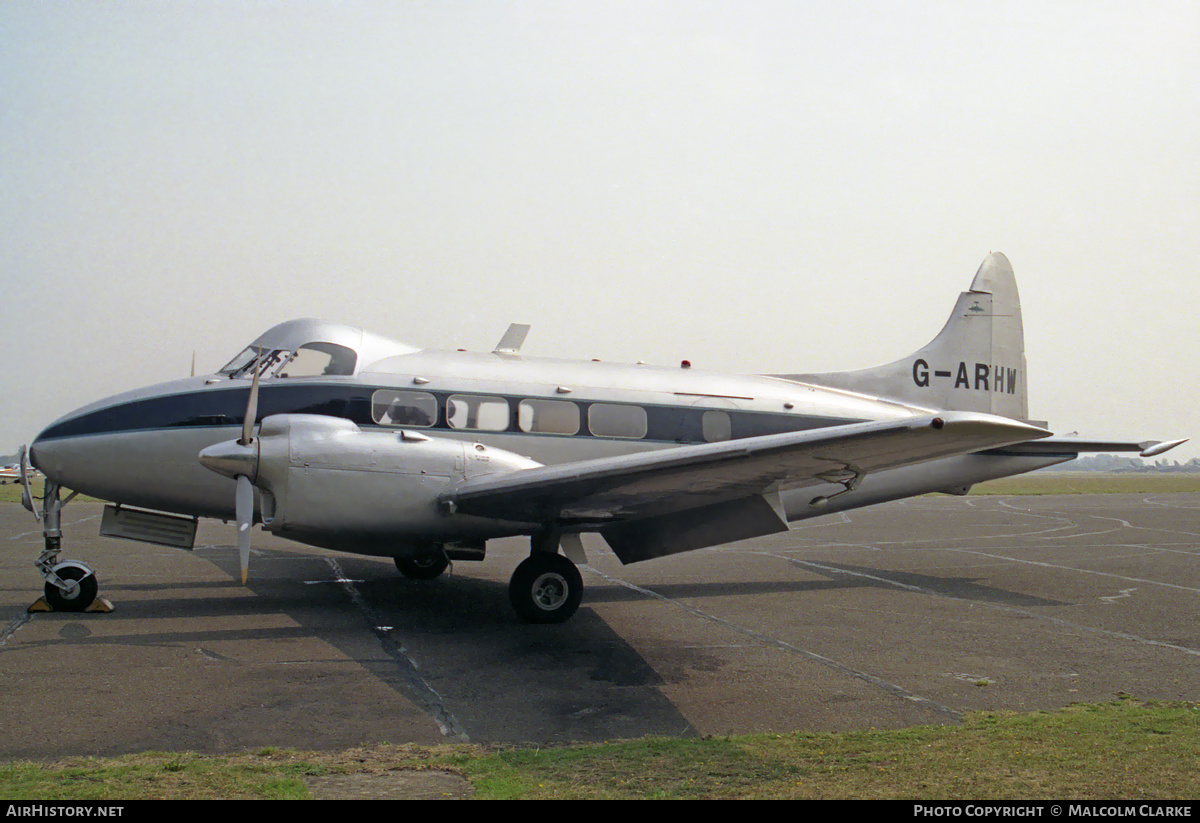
(422, 566)
(545, 588)
(80, 598)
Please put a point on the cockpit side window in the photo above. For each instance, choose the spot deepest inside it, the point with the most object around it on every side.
(317, 359)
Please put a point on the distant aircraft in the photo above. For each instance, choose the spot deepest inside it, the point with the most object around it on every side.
(370, 446)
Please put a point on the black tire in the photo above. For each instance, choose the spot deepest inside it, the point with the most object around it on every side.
(422, 566)
(81, 598)
(545, 588)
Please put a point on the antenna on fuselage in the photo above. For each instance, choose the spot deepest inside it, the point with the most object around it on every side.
(512, 340)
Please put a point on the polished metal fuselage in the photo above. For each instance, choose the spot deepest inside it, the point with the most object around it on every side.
(140, 448)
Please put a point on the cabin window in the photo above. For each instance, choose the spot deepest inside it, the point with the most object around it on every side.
(404, 408)
(716, 426)
(548, 416)
(473, 411)
(319, 359)
(610, 420)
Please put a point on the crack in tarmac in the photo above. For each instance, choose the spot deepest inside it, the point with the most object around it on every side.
(424, 695)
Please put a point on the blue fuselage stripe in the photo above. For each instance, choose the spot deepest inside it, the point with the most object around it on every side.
(216, 408)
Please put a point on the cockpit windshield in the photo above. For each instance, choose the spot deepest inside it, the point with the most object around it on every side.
(240, 365)
(310, 360)
(307, 347)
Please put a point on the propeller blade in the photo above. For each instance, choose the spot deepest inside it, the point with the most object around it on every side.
(251, 407)
(245, 519)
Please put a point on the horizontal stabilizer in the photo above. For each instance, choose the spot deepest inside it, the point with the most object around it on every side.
(1070, 444)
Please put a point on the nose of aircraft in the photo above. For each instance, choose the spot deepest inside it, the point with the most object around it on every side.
(50, 457)
(231, 458)
(34, 448)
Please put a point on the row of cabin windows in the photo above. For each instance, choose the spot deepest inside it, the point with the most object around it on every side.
(475, 412)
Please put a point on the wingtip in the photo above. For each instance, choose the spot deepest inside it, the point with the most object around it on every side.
(1155, 449)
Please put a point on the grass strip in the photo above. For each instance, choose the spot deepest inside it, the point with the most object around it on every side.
(1125, 749)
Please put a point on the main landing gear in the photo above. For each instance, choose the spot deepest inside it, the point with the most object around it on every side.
(424, 566)
(547, 587)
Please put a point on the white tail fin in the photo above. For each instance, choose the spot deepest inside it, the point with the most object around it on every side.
(976, 363)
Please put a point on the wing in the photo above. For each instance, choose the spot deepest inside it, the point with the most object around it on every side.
(655, 503)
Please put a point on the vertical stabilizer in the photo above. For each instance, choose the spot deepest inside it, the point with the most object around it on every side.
(976, 363)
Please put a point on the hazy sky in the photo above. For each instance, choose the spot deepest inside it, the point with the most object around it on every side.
(755, 186)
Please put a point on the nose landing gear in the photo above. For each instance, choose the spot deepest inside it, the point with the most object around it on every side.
(70, 584)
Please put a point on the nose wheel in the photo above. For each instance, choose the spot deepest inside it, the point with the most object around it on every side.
(545, 588)
(81, 588)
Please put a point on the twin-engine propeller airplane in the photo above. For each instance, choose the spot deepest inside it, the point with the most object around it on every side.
(370, 446)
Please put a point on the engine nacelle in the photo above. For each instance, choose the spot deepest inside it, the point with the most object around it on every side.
(327, 482)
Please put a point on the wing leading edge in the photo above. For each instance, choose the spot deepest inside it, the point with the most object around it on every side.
(657, 503)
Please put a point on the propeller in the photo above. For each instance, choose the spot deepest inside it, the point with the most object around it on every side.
(239, 460)
(244, 500)
(244, 506)
(251, 407)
